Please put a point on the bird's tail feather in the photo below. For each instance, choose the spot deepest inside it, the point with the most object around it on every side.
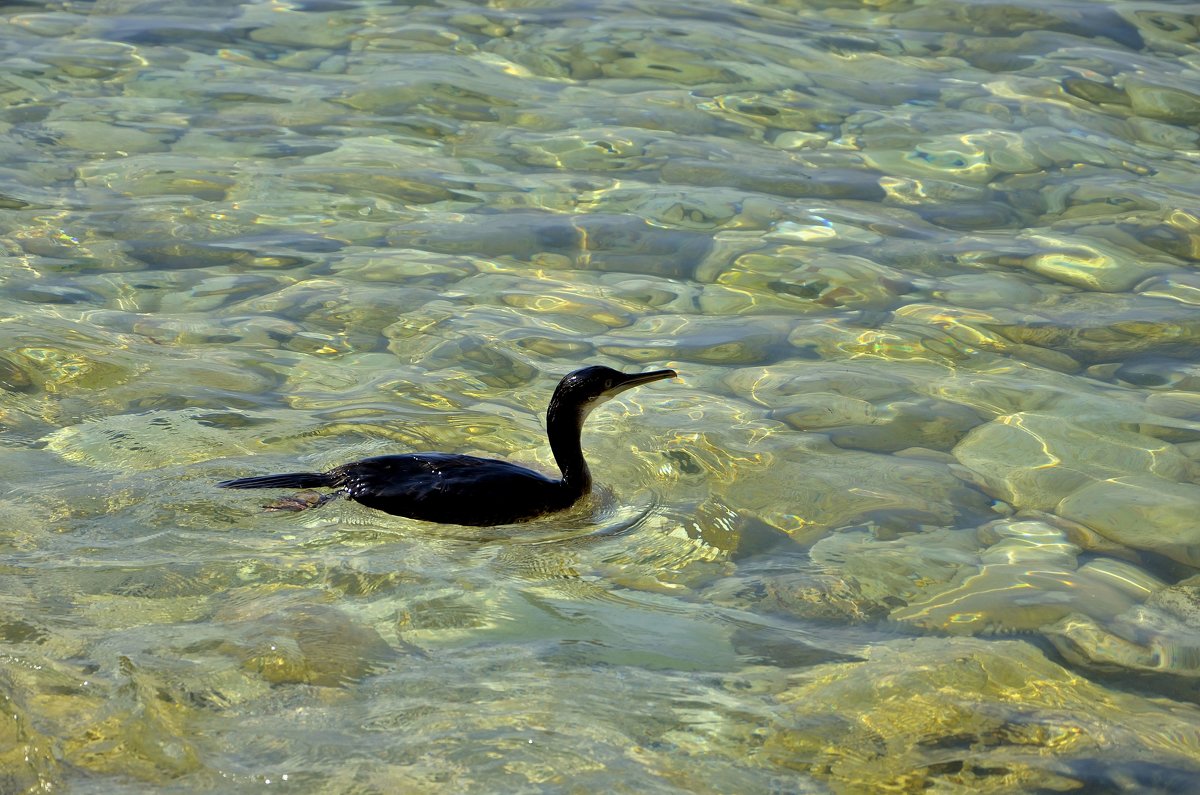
(292, 480)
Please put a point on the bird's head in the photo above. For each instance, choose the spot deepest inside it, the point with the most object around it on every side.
(588, 387)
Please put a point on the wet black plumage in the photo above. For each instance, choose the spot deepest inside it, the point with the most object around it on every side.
(463, 489)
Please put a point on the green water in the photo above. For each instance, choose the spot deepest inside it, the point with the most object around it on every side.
(920, 514)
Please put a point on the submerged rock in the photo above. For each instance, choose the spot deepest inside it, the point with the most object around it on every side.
(28, 762)
(1181, 601)
(884, 427)
(861, 576)
(1008, 576)
(1094, 327)
(304, 644)
(154, 439)
(1094, 265)
(829, 488)
(143, 731)
(1025, 577)
(1143, 640)
(966, 714)
(1160, 637)
(1168, 103)
(829, 280)
(691, 338)
(1141, 511)
(856, 405)
(1034, 460)
(596, 241)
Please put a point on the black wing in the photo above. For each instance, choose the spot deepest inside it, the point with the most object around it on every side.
(455, 489)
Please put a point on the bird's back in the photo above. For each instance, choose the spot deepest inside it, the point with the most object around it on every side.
(452, 489)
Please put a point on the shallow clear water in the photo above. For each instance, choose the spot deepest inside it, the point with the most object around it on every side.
(919, 515)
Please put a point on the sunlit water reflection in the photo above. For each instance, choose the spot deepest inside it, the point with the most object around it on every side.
(919, 514)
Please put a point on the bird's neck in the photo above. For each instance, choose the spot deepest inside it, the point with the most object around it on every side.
(564, 428)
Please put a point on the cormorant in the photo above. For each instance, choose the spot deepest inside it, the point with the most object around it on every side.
(463, 489)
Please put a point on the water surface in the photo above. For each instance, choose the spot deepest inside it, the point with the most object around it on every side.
(918, 516)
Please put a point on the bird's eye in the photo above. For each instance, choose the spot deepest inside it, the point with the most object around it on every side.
(608, 384)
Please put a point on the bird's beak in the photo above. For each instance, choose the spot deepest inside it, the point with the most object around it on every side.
(638, 379)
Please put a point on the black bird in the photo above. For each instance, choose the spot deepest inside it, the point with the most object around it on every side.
(463, 489)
